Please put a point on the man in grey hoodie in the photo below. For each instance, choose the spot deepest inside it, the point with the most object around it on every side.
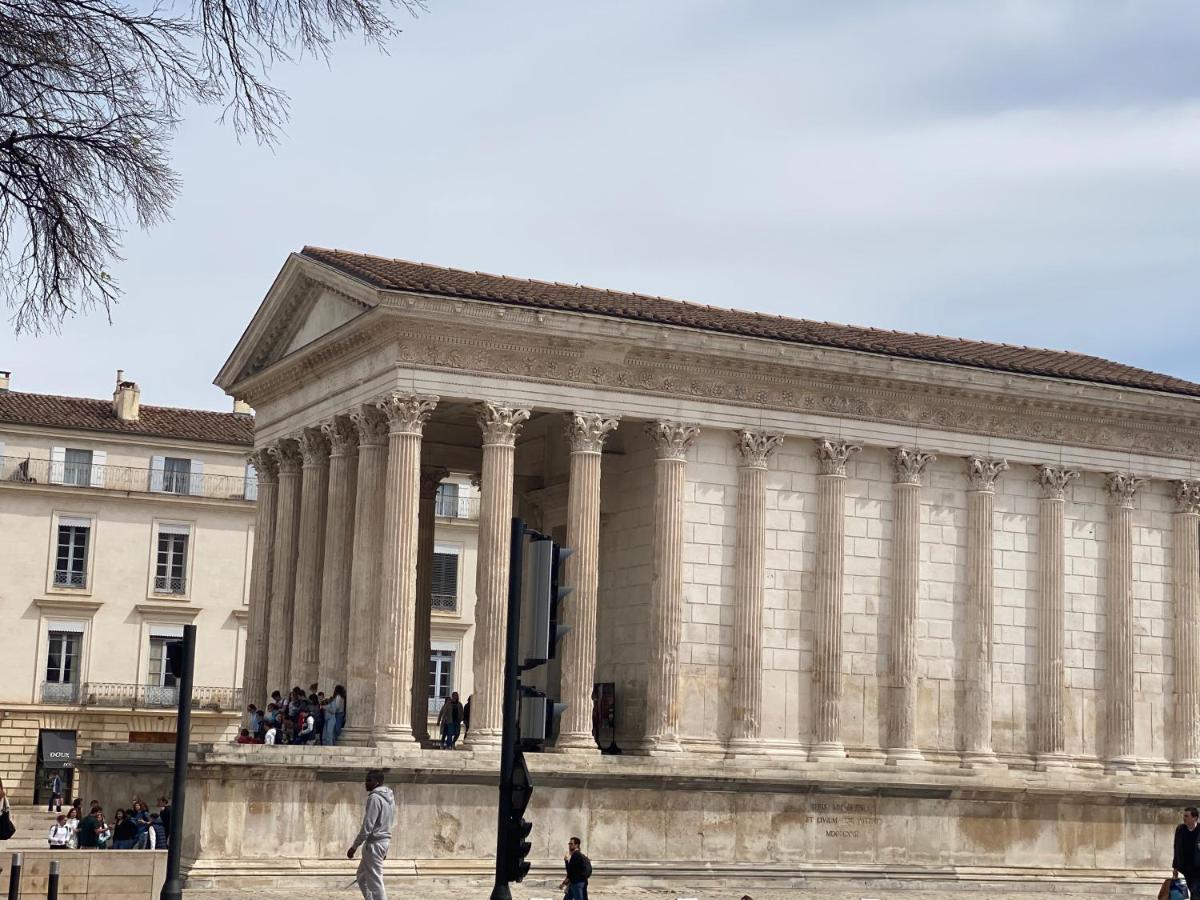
(374, 837)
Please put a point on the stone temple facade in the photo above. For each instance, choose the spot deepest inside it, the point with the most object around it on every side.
(873, 603)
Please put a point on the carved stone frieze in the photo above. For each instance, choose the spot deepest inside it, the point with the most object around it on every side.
(756, 447)
(286, 453)
(1122, 487)
(910, 465)
(586, 432)
(406, 413)
(371, 425)
(1187, 497)
(982, 473)
(1054, 480)
(672, 440)
(833, 455)
(265, 465)
(501, 424)
(341, 435)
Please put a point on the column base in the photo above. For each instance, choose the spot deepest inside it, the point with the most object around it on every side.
(827, 750)
(396, 737)
(1047, 761)
(904, 756)
(1120, 764)
(745, 747)
(663, 745)
(356, 737)
(1186, 768)
(483, 740)
(575, 744)
(981, 759)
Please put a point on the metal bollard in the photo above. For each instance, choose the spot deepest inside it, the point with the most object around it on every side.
(14, 878)
(52, 882)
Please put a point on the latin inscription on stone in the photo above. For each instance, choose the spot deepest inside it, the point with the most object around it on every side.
(846, 820)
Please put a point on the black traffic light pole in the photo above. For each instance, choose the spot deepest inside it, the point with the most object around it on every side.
(173, 887)
(508, 741)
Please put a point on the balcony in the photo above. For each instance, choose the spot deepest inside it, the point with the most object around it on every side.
(65, 578)
(451, 506)
(127, 479)
(166, 584)
(444, 602)
(109, 695)
(60, 694)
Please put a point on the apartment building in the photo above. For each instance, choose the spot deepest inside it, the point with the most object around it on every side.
(119, 524)
(452, 605)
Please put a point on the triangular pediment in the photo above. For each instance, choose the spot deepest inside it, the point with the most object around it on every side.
(306, 302)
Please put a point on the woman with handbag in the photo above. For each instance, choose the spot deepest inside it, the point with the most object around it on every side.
(7, 828)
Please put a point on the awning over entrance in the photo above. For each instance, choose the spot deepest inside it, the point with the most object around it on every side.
(56, 748)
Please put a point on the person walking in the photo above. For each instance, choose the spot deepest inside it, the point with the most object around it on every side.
(375, 836)
(7, 828)
(59, 837)
(73, 825)
(164, 817)
(55, 794)
(450, 718)
(89, 828)
(579, 870)
(1185, 857)
(339, 705)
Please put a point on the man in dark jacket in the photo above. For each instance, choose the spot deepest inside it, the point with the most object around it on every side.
(89, 829)
(1185, 857)
(579, 870)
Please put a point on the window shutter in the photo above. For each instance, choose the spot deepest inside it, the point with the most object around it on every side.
(445, 575)
(157, 464)
(251, 482)
(99, 461)
(196, 488)
(58, 463)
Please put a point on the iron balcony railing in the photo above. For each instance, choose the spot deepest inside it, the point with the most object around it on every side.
(110, 695)
(168, 584)
(18, 470)
(451, 506)
(445, 602)
(68, 579)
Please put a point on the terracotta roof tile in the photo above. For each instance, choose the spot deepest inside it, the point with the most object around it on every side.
(47, 410)
(399, 275)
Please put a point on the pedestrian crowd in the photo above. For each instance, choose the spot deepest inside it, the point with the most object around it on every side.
(301, 718)
(134, 828)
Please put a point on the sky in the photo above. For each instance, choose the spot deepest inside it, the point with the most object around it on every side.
(1025, 172)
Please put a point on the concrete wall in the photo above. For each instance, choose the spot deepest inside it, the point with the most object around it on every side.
(94, 874)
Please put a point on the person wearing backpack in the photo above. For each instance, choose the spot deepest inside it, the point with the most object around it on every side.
(579, 870)
(1185, 860)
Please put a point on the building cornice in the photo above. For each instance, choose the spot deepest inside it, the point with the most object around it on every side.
(56, 606)
(178, 613)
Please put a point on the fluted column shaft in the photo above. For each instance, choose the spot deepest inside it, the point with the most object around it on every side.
(430, 479)
(1186, 552)
(339, 545)
(672, 441)
(500, 426)
(827, 642)
(906, 547)
(406, 415)
(258, 638)
(1119, 687)
(977, 664)
(365, 575)
(306, 621)
(749, 584)
(586, 433)
(283, 566)
(1050, 743)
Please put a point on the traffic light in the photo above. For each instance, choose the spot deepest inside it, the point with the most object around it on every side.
(546, 592)
(515, 828)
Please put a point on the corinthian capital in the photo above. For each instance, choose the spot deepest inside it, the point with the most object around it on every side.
(672, 440)
(756, 447)
(431, 479)
(342, 436)
(982, 473)
(1122, 488)
(586, 432)
(286, 453)
(265, 465)
(406, 413)
(1054, 481)
(833, 455)
(313, 447)
(910, 464)
(501, 424)
(1187, 497)
(370, 424)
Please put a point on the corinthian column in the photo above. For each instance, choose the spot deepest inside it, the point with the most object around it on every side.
(365, 575)
(254, 674)
(406, 415)
(1050, 745)
(306, 621)
(500, 425)
(981, 493)
(586, 433)
(906, 558)
(1186, 553)
(286, 454)
(430, 479)
(749, 582)
(827, 649)
(671, 443)
(1119, 688)
(339, 543)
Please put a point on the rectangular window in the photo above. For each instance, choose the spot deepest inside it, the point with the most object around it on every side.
(177, 475)
(62, 657)
(441, 678)
(77, 467)
(170, 570)
(160, 671)
(447, 499)
(445, 581)
(70, 565)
